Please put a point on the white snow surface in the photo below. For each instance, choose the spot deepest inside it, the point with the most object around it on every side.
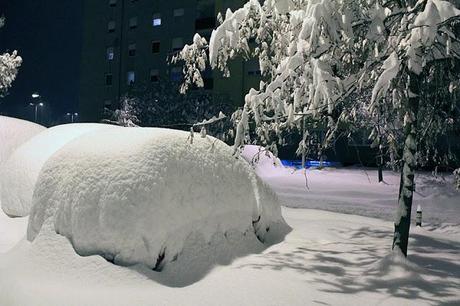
(327, 259)
(262, 160)
(19, 173)
(13, 133)
(142, 195)
(357, 191)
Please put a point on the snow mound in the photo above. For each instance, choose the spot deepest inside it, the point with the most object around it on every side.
(263, 161)
(20, 171)
(136, 195)
(13, 133)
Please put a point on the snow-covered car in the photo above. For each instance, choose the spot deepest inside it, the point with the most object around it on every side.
(138, 195)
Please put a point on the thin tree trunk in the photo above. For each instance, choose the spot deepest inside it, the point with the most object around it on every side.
(380, 173)
(380, 161)
(407, 184)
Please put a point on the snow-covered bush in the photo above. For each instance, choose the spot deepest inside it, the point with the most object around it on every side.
(20, 171)
(161, 105)
(13, 133)
(135, 195)
(457, 178)
(262, 160)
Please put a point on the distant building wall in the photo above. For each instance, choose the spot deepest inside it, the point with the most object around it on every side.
(132, 39)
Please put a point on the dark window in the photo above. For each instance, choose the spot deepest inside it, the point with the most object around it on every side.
(178, 12)
(132, 23)
(177, 44)
(253, 67)
(155, 47)
(154, 75)
(112, 3)
(108, 79)
(205, 23)
(132, 50)
(176, 74)
(111, 26)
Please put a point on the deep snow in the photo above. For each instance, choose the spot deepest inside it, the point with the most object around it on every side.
(20, 171)
(328, 259)
(137, 195)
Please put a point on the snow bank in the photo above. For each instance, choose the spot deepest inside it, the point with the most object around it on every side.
(136, 195)
(263, 161)
(20, 171)
(327, 259)
(13, 133)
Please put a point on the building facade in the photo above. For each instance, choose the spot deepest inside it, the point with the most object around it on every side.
(127, 42)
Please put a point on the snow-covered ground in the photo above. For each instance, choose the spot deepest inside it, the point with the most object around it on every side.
(332, 256)
(328, 259)
(356, 191)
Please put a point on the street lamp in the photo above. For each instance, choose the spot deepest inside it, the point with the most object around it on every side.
(35, 95)
(72, 116)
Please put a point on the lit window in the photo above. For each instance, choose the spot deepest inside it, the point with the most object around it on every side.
(155, 47)
(131, 77)
(110, 53)
(176, 74)
(111, 26)
(133, 22)
(154, 75)
(108, 79)
(156, 20)
(178, 12)
(177, 44)
(112, 2)
(132, 49)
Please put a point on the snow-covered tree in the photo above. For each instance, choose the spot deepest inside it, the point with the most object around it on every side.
(323, 58)
(9, 65)
(127, 114)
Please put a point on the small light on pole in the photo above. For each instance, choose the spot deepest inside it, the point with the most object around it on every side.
(35, 95)
(72, 116)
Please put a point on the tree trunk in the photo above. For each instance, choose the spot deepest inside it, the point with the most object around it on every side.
(407, 185)
(380, 161)
(380, 173)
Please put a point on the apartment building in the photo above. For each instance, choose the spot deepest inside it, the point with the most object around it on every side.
(128, 42)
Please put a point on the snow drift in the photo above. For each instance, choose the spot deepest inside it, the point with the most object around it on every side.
(136, 195)
(13, 133)
(20, 171)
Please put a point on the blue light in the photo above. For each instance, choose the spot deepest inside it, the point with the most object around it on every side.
(309, 163)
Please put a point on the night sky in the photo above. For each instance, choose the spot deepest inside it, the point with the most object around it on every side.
(47, 35)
